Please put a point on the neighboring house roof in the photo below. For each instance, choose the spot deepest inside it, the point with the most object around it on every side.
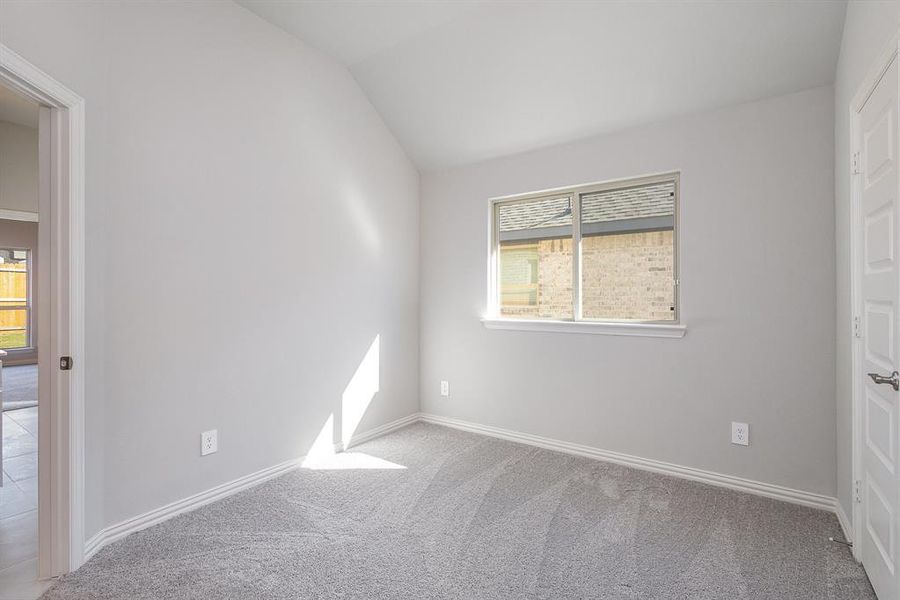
(644, 208)
(628, 204)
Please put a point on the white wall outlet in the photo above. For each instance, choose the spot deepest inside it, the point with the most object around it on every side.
(209, 442)
(445, 388)
(740, 434)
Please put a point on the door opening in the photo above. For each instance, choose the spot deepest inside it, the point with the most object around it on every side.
(19, 396)
(45, 320)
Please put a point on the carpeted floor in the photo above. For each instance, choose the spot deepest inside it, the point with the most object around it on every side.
(20, 387)
(472, 517)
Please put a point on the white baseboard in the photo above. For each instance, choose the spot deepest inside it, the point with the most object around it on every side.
(120, 530)
(718, 479)
(844, 521)
(153, 517)
(365, 436)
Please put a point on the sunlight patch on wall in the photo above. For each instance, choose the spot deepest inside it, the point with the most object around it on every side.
(361, 216)
(360, 391)
(323, 447)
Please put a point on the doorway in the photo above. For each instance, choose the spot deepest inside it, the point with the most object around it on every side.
(42, 324)
(19, 398)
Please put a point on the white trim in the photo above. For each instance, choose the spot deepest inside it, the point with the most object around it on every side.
(574, 194)
(65, 515)
(879, 66)
(604, 328)
(18, 215)
(577, 269)
(173, 509)
(365, 436)
(596, 186)
(749, 486)
(855, 350)
(844, 521)
(12, 352)
(77, 309)
(873, 76)
(118, 531)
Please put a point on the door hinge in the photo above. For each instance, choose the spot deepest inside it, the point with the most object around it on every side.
(855, 163)
(857, 491)
(65, 363)
(856, 327)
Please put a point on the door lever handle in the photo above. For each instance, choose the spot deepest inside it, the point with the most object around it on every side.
(893, 380)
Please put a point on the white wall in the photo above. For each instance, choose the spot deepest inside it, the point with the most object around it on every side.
(247, 177)
(18, 167)
(252, 226)
(757, 276)
(867, 29)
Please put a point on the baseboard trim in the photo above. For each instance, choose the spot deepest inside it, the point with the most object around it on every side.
(382, 430)
(153, 517)
(846, 526)
(740, 484)
(118, 531)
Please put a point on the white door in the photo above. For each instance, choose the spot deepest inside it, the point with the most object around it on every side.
(879, 225)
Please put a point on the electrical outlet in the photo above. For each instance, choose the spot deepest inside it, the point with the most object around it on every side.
(209, 442)
(445, 388)
(740, 434)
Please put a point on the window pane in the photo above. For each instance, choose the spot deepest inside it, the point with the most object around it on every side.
(628, 253)
(536, 258)
(13, 329)
(13, 293)
(13, 285)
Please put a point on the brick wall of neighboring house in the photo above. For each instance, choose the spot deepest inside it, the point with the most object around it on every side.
(555, 279)
(626, 276)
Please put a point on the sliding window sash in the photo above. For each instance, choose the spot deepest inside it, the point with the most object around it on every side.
(575, 203)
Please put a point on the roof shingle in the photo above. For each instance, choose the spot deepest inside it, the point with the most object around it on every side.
(655, 200)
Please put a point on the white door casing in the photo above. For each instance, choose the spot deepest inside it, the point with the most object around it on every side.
(61, 393)
(877, 181)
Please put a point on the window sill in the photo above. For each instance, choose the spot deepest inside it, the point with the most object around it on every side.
(598, 328)
(22, 350)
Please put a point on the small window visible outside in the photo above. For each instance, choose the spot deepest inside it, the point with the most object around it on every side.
(15, 299)
(624, 267)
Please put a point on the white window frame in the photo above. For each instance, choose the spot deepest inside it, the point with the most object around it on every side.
(578, 324)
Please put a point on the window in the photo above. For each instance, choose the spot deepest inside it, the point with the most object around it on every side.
(15, 299)
(536, 258)
(597, 253)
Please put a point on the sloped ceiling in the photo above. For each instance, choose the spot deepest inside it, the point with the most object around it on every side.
(459, 82)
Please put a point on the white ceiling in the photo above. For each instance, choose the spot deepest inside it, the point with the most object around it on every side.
(458, 82)
(15, 108)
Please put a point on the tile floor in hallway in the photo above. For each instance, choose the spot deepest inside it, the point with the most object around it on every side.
(18, 506)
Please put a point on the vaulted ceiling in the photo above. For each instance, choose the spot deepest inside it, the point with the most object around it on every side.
(462, 81)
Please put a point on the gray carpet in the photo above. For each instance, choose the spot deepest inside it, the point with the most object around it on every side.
(20, 387)
(472, 517)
